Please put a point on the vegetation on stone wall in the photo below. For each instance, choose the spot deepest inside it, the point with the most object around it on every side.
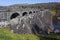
(53, 13)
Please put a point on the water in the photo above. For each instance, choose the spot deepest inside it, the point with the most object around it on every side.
(56, 26)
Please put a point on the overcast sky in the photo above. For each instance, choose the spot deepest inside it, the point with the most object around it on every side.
(10, 2)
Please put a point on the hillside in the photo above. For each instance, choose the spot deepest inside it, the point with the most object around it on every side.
(52, 6)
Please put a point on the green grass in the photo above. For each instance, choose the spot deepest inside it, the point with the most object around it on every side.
(50, 37)
(6, 34)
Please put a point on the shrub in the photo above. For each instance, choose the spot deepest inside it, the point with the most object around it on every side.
(53, 13)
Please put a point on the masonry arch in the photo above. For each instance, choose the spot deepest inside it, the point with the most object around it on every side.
(24, 13)
(30, 12)
(14, 15)
(33, 11)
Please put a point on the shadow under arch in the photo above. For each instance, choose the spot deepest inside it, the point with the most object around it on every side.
(24, 13)
(14, 15)
(30, 12)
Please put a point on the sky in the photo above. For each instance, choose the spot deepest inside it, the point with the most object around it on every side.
(10, 2)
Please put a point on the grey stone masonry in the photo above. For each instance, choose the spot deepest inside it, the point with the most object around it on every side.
(26, 19)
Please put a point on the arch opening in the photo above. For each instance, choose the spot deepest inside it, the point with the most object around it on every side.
(33, 11)
(14, 15)
(30, 12)
(25, 13)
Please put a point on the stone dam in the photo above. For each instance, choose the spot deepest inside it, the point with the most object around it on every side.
(26, 19)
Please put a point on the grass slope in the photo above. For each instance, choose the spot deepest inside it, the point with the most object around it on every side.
(5, 34)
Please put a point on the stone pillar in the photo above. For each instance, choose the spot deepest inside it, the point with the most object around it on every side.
(8, 16)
